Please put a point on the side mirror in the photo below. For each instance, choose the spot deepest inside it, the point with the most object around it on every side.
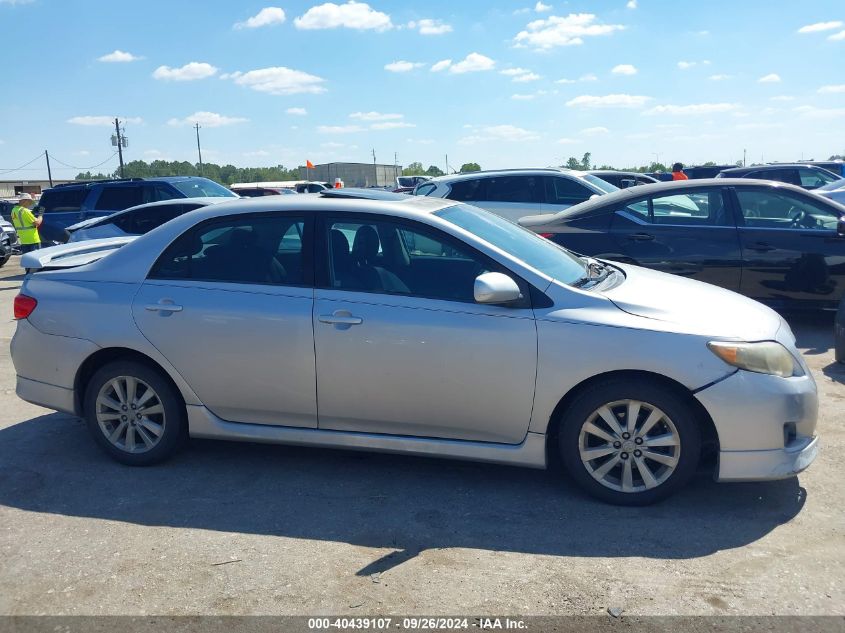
(840, 227)
(495, 288)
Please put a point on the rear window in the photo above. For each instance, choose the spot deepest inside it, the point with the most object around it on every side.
(62, 200)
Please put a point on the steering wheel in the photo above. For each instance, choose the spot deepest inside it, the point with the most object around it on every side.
(798, 218)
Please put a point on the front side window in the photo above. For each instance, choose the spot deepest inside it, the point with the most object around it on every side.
(424, 190)
(202, 188)
(698, 208)
(389, 257)
(237, 249)
(602, 185)
(560, 190)
(814, 178)
(515, 189)
(784, 210)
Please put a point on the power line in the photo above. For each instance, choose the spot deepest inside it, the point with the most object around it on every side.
(82, 168)
(24, 165)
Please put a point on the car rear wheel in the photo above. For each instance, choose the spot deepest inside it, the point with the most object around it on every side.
(134, 413)
(630, 442)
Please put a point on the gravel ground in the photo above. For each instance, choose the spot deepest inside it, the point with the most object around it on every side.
(248, 529)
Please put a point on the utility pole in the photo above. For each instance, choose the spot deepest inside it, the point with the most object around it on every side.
(199, 149)
(375, 169)
(49, 172)
(119, 144)
(447, 164)
(743, 157)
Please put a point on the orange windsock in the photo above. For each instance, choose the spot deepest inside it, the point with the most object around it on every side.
(309, 164)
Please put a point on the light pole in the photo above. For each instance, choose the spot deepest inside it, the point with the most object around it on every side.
(199, 149)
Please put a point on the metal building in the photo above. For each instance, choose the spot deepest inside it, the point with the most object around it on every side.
(354, 174)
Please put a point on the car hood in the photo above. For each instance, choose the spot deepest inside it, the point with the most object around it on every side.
(696, 306)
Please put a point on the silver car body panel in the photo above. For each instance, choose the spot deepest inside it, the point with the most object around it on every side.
(415, 375)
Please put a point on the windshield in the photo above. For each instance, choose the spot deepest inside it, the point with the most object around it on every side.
(833, 186)
(202, 188)
(599, 183)
(535, 251)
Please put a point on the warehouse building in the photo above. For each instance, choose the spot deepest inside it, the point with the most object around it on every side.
(354, 174)
(12, 188)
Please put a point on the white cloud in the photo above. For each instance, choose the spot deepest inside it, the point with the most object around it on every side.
(771, 78)
(588, 77)
(351, 15)
(567, 141)
(819, 27)
(441, 65)
(719, 77)
(513, 72)
(119, 56)
(812, 112)
(279, 80)
(686, 65)
(375, 116)
(782, 98)
(595, 131)
(189, 72)
(421, 141)
(758, 125)
(609, 101)
(297, 111)
(103, 120)
(428, 26)
(837, 37)
(624, 69)
(542, 8)
(391, 125)
(526, 77)
(474, 62)
(16, 2)
(562, 31)
(522, 97)
(339, 129)
(693, 109)
(565, 81)
(266, 17)
(402, 66)
(508, 133)
(208, 119)
(832, 89)
(631, 4)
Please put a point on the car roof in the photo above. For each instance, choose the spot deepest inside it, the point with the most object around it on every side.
(490, 173)
(598, 204)
(120, 181)
(743, 170)
(599, 172)
(364, 194)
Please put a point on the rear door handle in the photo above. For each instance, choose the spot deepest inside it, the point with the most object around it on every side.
(340, 319)
(641, 237)
(164, 307)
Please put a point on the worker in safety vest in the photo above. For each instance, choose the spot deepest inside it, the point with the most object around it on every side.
(26, 224)
(678, 172)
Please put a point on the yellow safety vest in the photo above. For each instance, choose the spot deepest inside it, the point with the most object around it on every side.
(27, 233)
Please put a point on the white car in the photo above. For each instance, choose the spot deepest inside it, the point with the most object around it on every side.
(516, 193)
(136, 220)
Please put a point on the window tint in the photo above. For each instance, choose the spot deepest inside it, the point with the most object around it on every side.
(814, 178)
(145, 220)
(155, 193)
(515, 189)
(789, 176)
(239, 249)
(560, 190)
(202, 188)
(638, 210)
(394, 258)
(782, 210)
(119, 198)
(468, 190)
(702, 208)
(424, 190)
(62, 200)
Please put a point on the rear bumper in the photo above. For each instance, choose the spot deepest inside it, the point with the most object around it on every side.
(766, 425)
(45, 395)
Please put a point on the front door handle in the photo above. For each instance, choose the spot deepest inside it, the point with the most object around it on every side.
(164, 307)
(762, 247)
(641, 237)
(340, 319)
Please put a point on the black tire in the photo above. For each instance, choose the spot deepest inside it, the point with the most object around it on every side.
(173, 421)
(652, 394)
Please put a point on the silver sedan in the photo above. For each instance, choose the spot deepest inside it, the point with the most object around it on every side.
(423, 327)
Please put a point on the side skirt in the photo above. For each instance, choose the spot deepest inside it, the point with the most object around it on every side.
(531, 453)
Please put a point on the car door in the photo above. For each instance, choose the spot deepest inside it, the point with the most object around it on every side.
(790, 245)
(403, 349)
(692, 234)
(234, 321)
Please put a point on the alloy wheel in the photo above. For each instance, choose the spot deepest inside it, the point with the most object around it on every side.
(130, 414)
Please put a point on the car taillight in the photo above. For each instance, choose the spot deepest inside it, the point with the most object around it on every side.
(548, 236)
(24, 306)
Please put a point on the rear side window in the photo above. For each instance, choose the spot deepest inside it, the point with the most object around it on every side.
(515, 189)
(468, 190)
(119, 198)
(789, 176)
(424, 190)
(62, 200)
(238, 249)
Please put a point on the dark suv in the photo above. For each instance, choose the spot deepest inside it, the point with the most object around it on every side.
(800, 174)
(68, 204)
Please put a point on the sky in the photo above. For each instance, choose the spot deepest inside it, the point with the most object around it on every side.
(500, 83)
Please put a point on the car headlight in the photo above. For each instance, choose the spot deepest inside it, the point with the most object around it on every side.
(765, 357)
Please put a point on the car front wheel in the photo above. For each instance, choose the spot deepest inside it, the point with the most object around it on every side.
(134, 413)
(630, 442)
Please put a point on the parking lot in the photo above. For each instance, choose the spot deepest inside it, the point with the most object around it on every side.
(246, 529)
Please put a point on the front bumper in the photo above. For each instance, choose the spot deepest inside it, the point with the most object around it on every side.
(766, 425)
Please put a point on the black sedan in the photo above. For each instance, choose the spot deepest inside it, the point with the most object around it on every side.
(767, 240)
(800, 174)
